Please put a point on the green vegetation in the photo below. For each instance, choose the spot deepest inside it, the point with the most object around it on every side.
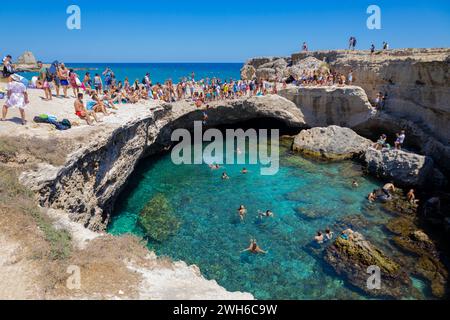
(17, 198)
(157, 219)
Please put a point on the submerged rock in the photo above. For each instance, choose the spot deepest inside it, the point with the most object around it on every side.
(416, 241)
(157, 219)
(351, 258)
(403, 168)
(331, 143)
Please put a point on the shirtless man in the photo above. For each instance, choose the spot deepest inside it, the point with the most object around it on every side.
(254, 248)
(389, 187)
(412, 197)
(82, 113)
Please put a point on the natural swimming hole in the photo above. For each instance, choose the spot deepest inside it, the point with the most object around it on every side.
(305, 196)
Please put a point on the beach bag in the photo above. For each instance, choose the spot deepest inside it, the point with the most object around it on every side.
(66, 123)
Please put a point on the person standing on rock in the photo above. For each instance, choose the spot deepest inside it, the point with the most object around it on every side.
(350, 78)
(305, 46)
(352, 43)
(17, 97)
(400, 140)
(372, 49)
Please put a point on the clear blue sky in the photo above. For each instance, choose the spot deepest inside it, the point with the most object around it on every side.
(212, 31)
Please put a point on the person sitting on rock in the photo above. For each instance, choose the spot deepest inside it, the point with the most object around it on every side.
(411, 197)
(82, 112)
(381, 142)
(254, 248)
(347, 234)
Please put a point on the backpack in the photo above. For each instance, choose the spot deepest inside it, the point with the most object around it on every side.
(66, 123)
(48, 75)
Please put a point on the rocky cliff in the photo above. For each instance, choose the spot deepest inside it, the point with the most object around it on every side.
(417, 84)
(88, 184)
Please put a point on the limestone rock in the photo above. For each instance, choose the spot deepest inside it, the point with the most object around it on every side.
(324, 106)
(403, 168)
(331, 143)
(308, 65)
(351, 258)
(27, 58)
(267, 74)
(248, 72)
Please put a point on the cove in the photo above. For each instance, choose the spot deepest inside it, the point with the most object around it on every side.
(305, 196)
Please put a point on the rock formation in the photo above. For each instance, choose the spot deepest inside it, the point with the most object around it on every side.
(331, 143)
(92, 178)
(416, 82)
(351, 259)
(27, 58)
(324, 106)
(403, 168)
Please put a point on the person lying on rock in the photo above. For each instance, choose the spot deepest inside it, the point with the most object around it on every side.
(347, 234)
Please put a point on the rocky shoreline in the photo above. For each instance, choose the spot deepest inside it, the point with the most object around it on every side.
(87, 185)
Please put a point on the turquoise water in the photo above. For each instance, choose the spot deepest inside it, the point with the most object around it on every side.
(159, 72)
(304, 195)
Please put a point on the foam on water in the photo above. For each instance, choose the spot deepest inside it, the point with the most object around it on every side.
(304, 195)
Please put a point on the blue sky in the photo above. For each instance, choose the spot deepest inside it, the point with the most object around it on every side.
(212, 31)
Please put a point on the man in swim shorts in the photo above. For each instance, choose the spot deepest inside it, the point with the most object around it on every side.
(82, 112)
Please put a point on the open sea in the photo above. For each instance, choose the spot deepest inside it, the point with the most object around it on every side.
(159, 72)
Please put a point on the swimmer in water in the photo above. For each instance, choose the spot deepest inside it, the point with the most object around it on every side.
(214, 166)
(355, 184)
(328, 234)
(372, 196)
(225, 176)
(319, 237)
(267, 214)
(244, 171)
(254, 248)
(242, 211)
